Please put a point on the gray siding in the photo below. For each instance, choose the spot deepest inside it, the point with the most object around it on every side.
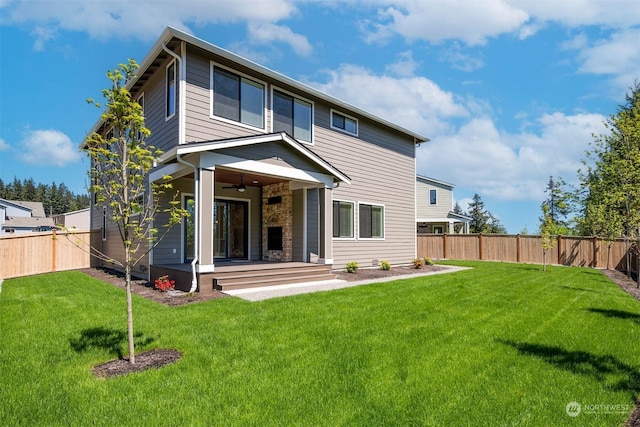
(200, 126)
(164, 133)
(444, 200)
(380, 163)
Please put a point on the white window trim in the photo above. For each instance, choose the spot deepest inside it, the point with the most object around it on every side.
(104, 224)
(384, 221)
(183, 226)
(166, 86)
(348, 117)
(353, 220)
(212, 66)
(313, 113)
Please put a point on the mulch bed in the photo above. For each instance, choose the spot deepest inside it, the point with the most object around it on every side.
(146, 360)
(377, 273)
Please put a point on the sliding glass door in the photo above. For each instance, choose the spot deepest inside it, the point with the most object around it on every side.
(230, 236)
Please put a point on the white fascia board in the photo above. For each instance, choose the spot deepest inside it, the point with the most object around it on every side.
(287, 80)
(176, 170)
(433, 219)
(434, 181)
(252, 140)
(211, 160)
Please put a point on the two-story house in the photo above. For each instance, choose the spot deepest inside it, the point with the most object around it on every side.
(274, 172)
(434, 208)
(17, 216)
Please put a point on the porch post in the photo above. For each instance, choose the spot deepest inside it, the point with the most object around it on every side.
(207, 189)
(325, 235)
(451, 227)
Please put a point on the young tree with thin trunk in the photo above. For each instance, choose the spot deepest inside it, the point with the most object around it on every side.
(548, 234)
(120, 165)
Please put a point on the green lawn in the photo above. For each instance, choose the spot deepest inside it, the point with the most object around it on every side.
(501, 344)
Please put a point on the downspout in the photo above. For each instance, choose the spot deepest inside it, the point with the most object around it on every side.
(196, 171)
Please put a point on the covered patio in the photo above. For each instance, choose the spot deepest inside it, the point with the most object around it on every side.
(258, 204)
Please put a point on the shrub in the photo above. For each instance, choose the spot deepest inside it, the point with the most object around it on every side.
(428, 261)
(352, 267)
(163, 284)
(418, 263)
(384, 265)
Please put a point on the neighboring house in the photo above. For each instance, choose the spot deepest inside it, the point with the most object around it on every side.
(76, 220)
(272, 169)
(23, 217)
(434, 208)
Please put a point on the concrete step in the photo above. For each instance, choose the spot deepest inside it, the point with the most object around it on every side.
(256, 282)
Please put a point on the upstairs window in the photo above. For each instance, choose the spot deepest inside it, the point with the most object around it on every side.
(433, 197)
(292, 115)
(171, 90)
(342, 219)
(371, 221)
(237, 98)
(344, 123)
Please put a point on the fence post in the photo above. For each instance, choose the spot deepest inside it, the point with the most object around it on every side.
(595, 252)
(480, 247)
(560, 250)
(518, 255)
(53, 251)
(444, 246)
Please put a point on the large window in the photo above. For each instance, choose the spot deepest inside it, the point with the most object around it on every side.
(342, 219)
(171, 90)
(292, 115)
(433, 197)
(371, 221)
(344, 123)
(237, 98)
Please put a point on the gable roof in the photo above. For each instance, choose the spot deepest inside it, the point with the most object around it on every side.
(36, 208)
(171, 33)
(428, 180)
(198, 147)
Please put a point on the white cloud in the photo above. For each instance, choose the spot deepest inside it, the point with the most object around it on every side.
(617, 56)
(416, 103)
(511, 166)
(266, 33)
(405, 65)
(578, 13)
(435, 21)
(141, 19)
(459, 60)
(473, 22)
(3, 145)
(48, 147)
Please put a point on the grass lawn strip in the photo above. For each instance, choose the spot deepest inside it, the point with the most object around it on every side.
(499, 344)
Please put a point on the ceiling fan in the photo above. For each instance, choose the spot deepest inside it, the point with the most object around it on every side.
(241, 188)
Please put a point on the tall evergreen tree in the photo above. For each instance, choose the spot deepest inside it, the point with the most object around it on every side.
(612, 180)
(479, 217)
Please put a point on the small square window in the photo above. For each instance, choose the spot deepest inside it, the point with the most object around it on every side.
(344, 123)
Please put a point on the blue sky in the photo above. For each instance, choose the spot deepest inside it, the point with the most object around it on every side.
(509, 91)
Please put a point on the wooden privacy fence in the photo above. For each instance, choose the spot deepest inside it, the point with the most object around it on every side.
(569, 250)
(35, 253)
